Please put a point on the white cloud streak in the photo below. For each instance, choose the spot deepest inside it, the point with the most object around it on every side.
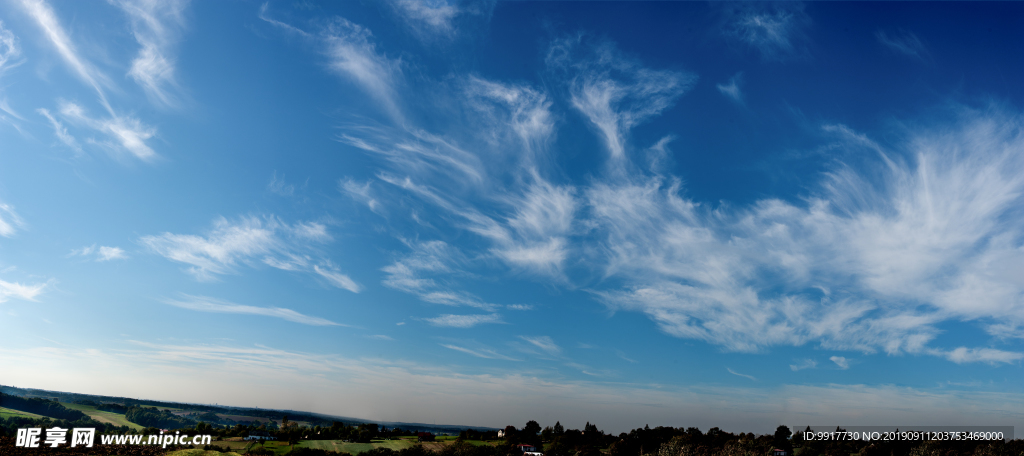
(101, 253)
(44, 16)
(740, 375)
(544, 343)
(329, 272)
(250, 240)
(904, 42)
(10, 222)
(463, 321)
(205, 304)
(992, 356)
(479, 353)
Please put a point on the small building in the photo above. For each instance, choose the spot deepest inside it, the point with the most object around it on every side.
(501, 434)
(526, 448)
(425, 436)
(778, 452)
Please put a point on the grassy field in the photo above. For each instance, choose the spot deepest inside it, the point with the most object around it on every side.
(116, 419)
(8, 413)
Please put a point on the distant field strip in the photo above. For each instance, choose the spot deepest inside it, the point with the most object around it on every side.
(10, 413)
(116, 419)
(356, 448)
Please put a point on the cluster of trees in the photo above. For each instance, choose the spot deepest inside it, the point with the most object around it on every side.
(41, 407)
(113, 408)
(473, 434)
(154, 417)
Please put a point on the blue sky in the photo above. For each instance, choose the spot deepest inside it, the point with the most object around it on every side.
(664, 213)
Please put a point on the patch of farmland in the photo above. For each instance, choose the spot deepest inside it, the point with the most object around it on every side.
(116, 419)
(337, 445)
(394, 444)
(435, 446)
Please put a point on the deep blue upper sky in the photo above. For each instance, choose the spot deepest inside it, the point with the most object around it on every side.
(678, 213)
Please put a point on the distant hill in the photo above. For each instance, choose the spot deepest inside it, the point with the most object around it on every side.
(274, 414)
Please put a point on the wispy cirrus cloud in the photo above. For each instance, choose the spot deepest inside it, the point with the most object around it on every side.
(543, 343)
(46, 18)
(251, 241)
(61, 131)
(869, 261)
(731, 89)
(10, 222)
(933, 230)
(479, 353)
(463, 321)
(125, 133)
(328, 271)
(432, 17)
(156, 26)
(206, 304)
(427, 273)
(741, 375)
(279, 186)
(613, 92)
(9, 52)
(803, 364)
(773, 29)
(903, 42)
(9, 49)
(101, 253)
(352, 53)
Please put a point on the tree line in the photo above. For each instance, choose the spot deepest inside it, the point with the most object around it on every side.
(41, 407)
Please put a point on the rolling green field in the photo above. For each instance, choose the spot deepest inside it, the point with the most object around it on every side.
(8, 413)
(116, 419)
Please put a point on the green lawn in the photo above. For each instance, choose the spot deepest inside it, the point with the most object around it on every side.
(10, 413)
(116, 419)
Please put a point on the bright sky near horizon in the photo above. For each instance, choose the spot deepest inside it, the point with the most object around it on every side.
(664, 213)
